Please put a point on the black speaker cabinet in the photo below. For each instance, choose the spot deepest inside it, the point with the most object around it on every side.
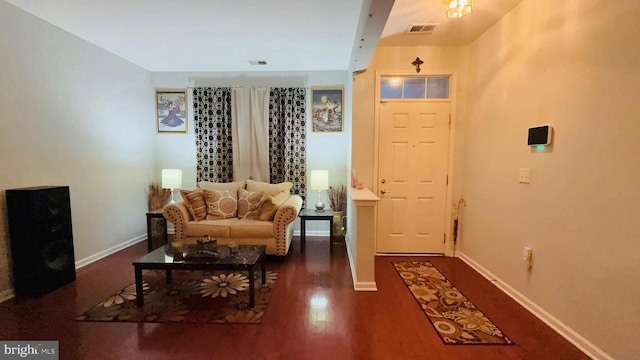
(41, 239)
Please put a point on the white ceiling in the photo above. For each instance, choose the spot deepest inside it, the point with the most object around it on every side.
(449, 32)
(290, 35)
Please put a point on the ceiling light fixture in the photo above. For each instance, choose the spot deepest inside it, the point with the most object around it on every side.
(459, 8)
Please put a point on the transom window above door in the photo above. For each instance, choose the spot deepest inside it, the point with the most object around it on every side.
(414, 87)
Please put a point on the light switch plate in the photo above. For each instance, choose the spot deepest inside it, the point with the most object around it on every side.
(524, 175)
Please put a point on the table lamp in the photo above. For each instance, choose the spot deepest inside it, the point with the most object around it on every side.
(319, 181)
(171, 179)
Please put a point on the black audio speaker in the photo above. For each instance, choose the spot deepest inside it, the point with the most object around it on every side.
(41, 239)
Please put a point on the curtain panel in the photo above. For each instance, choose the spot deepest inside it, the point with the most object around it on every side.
(250, 114)
(212, 123)
(288, 145)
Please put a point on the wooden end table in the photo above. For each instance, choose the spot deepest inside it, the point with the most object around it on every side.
(310, 215)
(155, 214)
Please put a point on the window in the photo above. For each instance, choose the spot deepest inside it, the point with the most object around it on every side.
(414, 87)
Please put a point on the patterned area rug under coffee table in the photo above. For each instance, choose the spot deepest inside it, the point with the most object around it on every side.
(454, 317)
(192, 297)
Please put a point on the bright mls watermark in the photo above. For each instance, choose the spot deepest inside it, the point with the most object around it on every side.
(29, 350)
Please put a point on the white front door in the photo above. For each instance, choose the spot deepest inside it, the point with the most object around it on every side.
(412, 170)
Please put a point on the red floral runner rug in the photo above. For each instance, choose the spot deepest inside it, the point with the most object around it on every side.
(192, 297)
(453, 316)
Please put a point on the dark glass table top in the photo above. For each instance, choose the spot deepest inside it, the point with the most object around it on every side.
(246, 255)
(311, 213)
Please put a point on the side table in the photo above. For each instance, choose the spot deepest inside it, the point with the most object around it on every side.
(311, 214)
(155, 214)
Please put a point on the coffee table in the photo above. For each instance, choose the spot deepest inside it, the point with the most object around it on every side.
(162, 258)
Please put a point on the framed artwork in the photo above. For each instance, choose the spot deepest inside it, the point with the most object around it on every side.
(326, 109)
(171, 110)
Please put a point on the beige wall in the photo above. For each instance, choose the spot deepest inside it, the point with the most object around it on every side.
(573, 65)
(76, 115)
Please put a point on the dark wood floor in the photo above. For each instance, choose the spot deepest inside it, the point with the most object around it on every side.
(387, 324)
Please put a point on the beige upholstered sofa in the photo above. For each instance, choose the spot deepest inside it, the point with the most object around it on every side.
(263, 214)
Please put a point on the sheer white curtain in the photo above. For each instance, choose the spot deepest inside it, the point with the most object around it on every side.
(250, 129)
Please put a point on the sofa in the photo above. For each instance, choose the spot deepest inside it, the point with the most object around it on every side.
(247, 212)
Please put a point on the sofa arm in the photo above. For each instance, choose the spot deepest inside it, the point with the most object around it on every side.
(285, 215)
(178, 214)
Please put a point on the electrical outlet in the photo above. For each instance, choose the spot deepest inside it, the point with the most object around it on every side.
(524, 176)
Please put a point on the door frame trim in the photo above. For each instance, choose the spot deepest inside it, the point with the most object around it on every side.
(453, 86)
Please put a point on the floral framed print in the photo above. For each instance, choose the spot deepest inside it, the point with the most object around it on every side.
(326, 109)
(171, 110)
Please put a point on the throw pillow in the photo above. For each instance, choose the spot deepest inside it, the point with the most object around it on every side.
(231, 186)
(248, 204)
(221, 204)
(280, 197)
(270, 205)
(267, 210)
(197, 206)
(268, 189)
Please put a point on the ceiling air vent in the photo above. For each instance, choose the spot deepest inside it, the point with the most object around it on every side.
(257, 62)
(422, 29)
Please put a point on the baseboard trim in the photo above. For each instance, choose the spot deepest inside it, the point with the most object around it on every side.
(558, 326)
(365, 286)
(357, 285)
(352, 266)
(104, 253)
(9, 294)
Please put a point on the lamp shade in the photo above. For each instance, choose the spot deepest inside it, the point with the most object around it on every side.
(319, 179)
(171, 178)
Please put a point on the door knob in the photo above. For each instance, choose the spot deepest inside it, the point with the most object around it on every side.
(383, 191)
(383, 181)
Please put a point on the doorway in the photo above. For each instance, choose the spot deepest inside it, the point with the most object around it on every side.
(413, 146)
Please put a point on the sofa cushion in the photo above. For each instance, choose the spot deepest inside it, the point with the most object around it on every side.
(268, 189)
(213, 228)
(194, 200)
(247, 228)
(249, 203)
(231, 186)
(221, 204)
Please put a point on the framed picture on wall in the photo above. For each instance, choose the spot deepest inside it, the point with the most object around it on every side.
(326, 109)
(171, 110)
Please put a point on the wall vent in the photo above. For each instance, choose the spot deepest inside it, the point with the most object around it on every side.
(422, 29)
(257, 62)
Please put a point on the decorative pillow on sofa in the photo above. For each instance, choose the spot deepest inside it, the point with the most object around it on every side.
(280, 197)
(249, 203)
(221, 204)
(196, 203)
(231, 186)
(268, 189)
(270, 205)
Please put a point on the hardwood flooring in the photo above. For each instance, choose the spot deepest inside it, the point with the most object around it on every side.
(314, 313)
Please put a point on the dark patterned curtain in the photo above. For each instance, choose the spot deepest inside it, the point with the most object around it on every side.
(212, 120)
(287, 131)
(287, 136)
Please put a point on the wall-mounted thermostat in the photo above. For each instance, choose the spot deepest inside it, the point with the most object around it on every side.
(540, 135)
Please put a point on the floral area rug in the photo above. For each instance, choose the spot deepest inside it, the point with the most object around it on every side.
(192, 297)
(455, 318)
